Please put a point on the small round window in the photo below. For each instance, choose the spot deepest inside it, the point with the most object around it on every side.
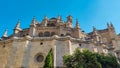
(41, 43)
(39, 58)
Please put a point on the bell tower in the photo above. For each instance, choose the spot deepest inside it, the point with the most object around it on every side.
(69, 21)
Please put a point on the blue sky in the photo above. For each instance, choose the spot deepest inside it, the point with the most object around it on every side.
(89, 12)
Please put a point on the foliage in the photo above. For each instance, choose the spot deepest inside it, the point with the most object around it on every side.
(49, 60)
(107, 61)
(87, 59)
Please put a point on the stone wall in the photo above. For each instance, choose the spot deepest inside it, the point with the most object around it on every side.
(25, 52)
(62, 48)
(16, 54)
(4, 53)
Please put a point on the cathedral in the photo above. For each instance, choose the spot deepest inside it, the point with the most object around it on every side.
(28, 48)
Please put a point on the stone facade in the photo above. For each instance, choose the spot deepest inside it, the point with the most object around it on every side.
(29, 47)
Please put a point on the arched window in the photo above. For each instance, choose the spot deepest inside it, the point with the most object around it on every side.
(40, 34)
(48, 25)
(62, 35)
(52, 24)
(52, 33)
(47, 34)
(68, 34)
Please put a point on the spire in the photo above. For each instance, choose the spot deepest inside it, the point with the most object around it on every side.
(95, 35)
(94, 29)
(45, 18)
(108, 25)
(18, 24)
(17, 27)
(77, 24)
(45, 21)
(5, 33)
(33, 21)
(59, 19)
(111, 24)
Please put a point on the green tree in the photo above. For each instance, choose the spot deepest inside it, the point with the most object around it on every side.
(88, 59)
(49, 60)
(107, 61)
(79, 59)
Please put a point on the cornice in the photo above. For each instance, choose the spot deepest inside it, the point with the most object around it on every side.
(55, 37)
